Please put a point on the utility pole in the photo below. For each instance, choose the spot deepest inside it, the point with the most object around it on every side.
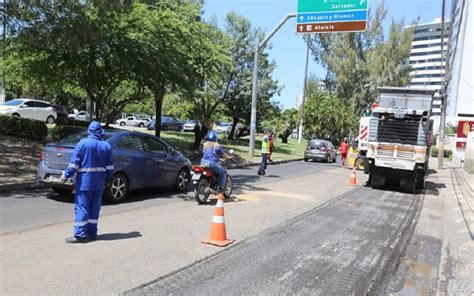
(442, 121)
(300, 129)
(253, 114)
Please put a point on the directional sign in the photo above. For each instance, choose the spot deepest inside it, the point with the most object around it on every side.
(321, 16)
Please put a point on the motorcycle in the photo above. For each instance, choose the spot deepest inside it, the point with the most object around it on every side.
(205, 183)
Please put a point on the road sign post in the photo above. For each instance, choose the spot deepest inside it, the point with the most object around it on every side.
(253, 114)
(329, 16)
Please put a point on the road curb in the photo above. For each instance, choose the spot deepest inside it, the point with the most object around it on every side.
(26, 185)
(253, 164)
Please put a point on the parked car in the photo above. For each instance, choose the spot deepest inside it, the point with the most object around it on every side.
(133, 121)
(189, 125)
(320, 150)
(167, 124)
(141, 160)
(33, 109)
(224, 128)
(61, 111)
(78, 115)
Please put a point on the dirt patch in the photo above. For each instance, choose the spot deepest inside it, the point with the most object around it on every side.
(19, 159)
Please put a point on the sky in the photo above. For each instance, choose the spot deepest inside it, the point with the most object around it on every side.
(288, 49)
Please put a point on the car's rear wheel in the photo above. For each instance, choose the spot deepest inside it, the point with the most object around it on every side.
(50, 120)
(61, 191)
(328, 158)
(141, 125)
(182, 180)
(122, 123)
(117, 192)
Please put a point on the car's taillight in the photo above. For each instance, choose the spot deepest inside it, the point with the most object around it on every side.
(42, 153)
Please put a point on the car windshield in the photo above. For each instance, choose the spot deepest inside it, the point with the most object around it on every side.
(75, 138)
(314, 145)
(13, 103)
(225, 124)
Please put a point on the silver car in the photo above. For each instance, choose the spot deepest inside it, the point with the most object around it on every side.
(321, 150)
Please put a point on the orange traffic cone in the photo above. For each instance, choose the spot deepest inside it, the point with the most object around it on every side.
(352, 178)
(218, 236)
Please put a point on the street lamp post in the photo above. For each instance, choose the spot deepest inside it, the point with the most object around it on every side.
(253, 114)
(300, 129)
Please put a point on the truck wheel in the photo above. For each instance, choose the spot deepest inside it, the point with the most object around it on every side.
(359, 164)
(420, 181)
(408, 184)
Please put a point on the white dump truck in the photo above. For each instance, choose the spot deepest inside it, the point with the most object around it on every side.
(397, 137)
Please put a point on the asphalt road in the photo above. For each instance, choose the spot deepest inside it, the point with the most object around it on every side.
(29, 210)
(348, 246)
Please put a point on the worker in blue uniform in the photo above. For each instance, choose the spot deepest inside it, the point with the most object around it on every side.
(92, 161)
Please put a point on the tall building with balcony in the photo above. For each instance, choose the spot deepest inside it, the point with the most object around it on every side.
(427, 59)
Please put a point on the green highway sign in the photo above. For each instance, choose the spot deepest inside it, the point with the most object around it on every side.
(324, 16)
(305, 6)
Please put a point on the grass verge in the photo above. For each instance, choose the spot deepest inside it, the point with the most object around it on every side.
(292, 150)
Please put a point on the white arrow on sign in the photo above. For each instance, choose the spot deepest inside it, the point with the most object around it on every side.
(301, 18)
(301, 28)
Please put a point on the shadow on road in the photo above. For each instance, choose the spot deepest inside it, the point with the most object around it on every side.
(118, 236)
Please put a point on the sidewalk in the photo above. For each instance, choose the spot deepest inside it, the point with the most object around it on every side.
(440, 257)
(138, 246)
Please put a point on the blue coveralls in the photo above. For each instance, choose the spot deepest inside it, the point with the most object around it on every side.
(210, 158)
(92, 160)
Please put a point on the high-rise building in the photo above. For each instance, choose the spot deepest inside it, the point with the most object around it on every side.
(460, 77)
(427, 59)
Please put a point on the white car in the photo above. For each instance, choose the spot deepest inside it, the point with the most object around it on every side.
(78, 115)
(32, 109)
(224, 128)
(133, 121)
(189, 125)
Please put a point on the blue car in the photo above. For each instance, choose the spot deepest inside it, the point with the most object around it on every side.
(141, 161)
(167, 124)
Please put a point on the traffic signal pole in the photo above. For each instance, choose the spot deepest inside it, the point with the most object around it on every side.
(253, 114)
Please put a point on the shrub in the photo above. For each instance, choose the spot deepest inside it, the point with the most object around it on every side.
(62, 131)
(446, 153)
(23, 127)
(72, 122)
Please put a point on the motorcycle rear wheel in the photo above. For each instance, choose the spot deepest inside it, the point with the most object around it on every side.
(200, 191)
(229, 185)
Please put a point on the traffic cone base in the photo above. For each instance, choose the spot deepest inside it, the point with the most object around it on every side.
(352, 178)
(218, 235)
(222, 243)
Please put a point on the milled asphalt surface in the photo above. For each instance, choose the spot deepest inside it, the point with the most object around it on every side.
(27, 210)
(346, 246)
